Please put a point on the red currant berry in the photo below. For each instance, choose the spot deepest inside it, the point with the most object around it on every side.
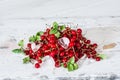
(30, 51)
(71, 44)
(37, 65)
(57, 64)
(42, 37)
(26, 52)
(52, 54)
(29, 45)
(53, 46)
(87, 41)
(79, 30)
(98, 58)
(62, 54)
(73, 32)
(39, 61)
(95, 45)
(64, 60)
(65, 65)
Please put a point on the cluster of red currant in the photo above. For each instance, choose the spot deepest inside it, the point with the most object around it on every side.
(48, 41)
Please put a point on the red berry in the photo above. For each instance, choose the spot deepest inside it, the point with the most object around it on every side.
(98, 58)
(52, 36)
(53, 45)
(79, 30)
(61, 48)
(52, 54)
(37, 65)
(29, 45)
(65, 65)
(95, 45)
(87, 41)
(39, 54)
(42, 37)
(39, 61)
(57, 64)
(89, 56)
(71, 55)
(64, 60)
(72, 39)
(62, 54)
(52, 41)
(48, 30)
(71, 44)
(30, 51)
(66, 53)
(73, 32)
(26, 52)
(93, 52)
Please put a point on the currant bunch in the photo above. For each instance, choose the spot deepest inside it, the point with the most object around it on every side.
(48, 45)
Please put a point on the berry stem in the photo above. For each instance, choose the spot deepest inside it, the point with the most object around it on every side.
(74, 52)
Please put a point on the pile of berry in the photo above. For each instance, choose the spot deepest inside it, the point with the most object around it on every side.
(51, 43)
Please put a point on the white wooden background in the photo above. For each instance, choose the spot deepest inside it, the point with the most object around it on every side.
(21, 18)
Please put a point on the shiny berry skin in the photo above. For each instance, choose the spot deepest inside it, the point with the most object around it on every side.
(57, 64)
(26, 52)
(71, 44)
(87, 41)
(79, 30)
(73, 32)
(52, 36)
(52, 54)
(64, 60)
(29, 45)
(65, 65)
(98, 58)
(37, 65)
(42, 37)
(39, 61)
(95, 45)
(30, 51)
(53, 46)
(62, 54)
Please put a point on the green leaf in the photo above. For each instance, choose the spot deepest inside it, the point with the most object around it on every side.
(21, 43)
(75, 66)
(72, 60)
(26, 60)
(102, 56)
(62, 27)
(17, 51)
(57, 34)
(37, 38)
(70, 67)
(39, 33)
(55, 25)
(32, 38)
(53, 31)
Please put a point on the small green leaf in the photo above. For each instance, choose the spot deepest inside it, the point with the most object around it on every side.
(21, 43)
(26, 60)
(102, 56)
(39, 33)
(17, 51)
(55, 25)
(62, 27)
(32, 38)
(70, 67)
(72, 60)
(75, 66)
(37, 38)
(57, 34)
(53, 31)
